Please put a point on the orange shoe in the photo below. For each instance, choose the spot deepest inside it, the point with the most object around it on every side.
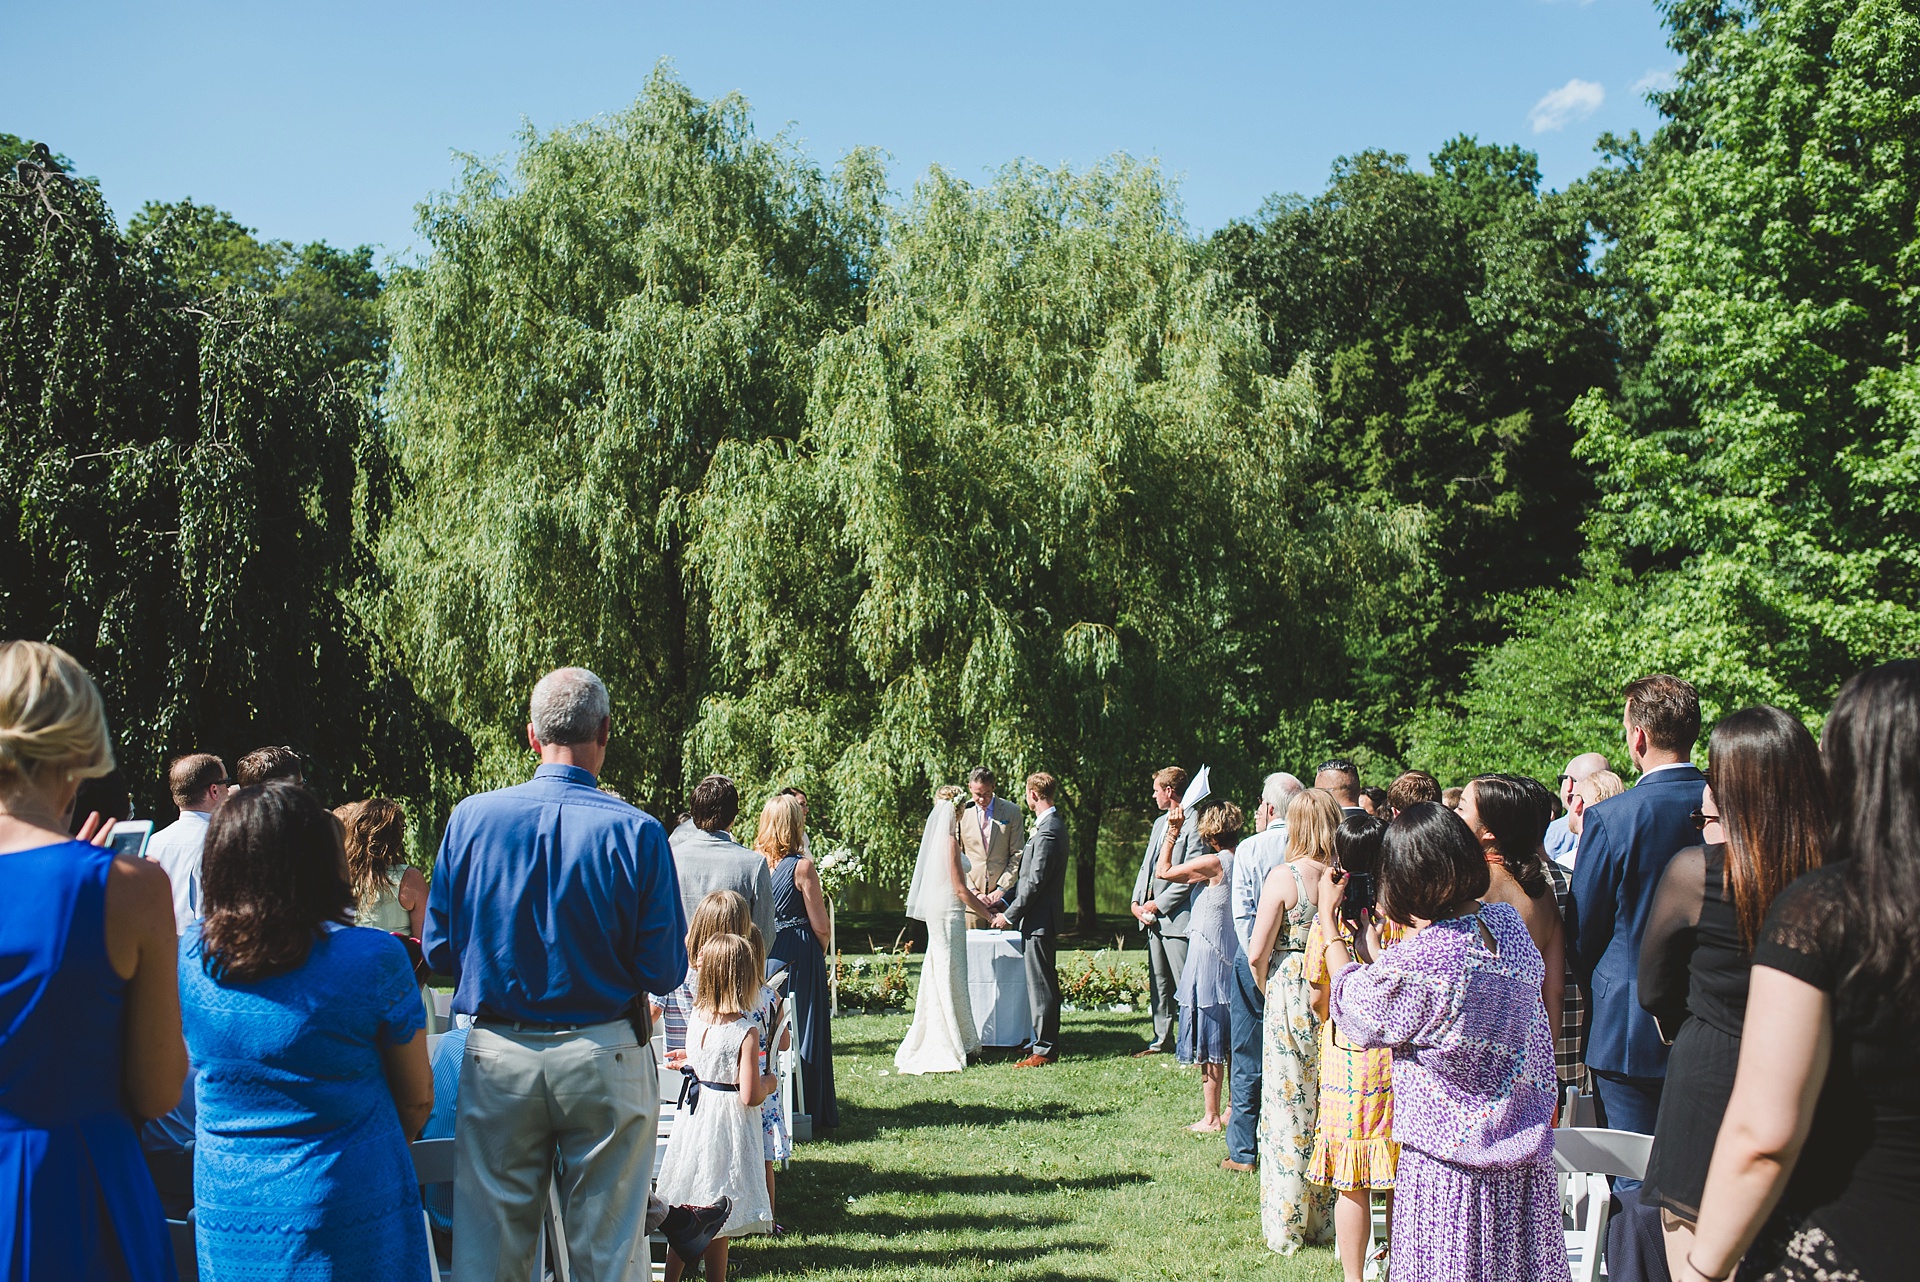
(1036, 1061)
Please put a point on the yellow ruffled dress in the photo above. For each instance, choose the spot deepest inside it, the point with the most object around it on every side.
(1353, 1144)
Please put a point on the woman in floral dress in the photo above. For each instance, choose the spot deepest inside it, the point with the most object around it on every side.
(1293, 1211)
(1476, 1198)
(1353, 1148)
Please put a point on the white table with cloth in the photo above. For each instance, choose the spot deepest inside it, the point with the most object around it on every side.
(997, 987)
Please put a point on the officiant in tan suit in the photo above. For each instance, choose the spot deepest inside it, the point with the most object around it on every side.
(991, 834)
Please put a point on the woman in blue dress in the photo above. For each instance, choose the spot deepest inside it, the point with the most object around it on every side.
(800, 923)
(89, 1013)
(307, 1034)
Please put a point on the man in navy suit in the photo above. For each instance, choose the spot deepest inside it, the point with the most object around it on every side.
(1625, 844)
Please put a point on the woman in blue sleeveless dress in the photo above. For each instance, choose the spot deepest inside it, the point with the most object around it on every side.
(89, 1018)
(800, 923)
(312, 1068)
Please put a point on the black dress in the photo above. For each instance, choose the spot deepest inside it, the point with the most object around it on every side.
(795, 944)
(1693, 981)
(1852, 1206)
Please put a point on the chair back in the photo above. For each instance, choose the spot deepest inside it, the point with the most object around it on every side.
(433, 1161)
(1594, 1151)
(186, 1257)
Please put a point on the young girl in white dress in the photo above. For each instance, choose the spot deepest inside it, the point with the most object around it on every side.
(777, 1142)
(717, 1138)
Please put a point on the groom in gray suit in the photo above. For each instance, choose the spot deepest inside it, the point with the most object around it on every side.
(1162, 909)
(1038, 910)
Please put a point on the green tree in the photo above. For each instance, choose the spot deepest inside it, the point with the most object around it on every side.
(582, 338)
(1446, 317)
(186, 511)
(1043, 514)
(330, 296)
(1759, 469)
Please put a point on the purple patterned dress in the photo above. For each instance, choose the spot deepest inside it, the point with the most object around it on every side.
(1473, 1089)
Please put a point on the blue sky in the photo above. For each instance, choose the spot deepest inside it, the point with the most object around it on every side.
(332, 121)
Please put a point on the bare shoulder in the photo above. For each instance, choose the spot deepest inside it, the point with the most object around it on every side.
(139, 888)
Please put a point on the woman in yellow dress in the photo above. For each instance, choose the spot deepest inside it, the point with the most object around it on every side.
(1293, 1212)
(1353, 1148)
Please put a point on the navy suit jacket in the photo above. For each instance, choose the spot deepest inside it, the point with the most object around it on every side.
(1626, 842)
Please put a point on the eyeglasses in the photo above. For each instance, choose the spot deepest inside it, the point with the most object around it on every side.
(1701, 819)
(226, 783)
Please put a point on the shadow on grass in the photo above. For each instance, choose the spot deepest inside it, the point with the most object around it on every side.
(828, 1182)
(786, 1257)
(864, 1122)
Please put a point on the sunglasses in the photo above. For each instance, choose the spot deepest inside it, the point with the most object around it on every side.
(1701, 819)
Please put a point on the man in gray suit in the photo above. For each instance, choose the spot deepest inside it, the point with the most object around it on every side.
(1037, 909)
(1162, 909)
(707, 858)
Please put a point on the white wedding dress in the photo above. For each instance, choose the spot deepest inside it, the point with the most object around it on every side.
(943, 1032)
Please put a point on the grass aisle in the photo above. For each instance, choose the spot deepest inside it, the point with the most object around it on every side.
(1082, 1170)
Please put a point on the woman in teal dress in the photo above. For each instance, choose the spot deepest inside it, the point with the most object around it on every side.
(312, 1068)
(89, 1020)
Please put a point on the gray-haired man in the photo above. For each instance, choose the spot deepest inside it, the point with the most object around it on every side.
(555, 907)
(1258, 855)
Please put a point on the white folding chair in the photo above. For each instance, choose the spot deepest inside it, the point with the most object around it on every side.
(432, 1164)
(186, 1256)
(1587, 1157)
(784, 1066)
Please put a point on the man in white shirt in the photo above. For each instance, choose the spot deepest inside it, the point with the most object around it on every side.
(199, 783)
(1257, 856)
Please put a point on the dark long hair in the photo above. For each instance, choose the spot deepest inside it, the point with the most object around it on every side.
(1429, 862)
(271, 880)
(1772, 794)
(1514, 814)
(1871, 744)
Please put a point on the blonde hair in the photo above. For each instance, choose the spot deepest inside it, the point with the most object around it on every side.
(51, 715)
(727, 981)
(947, 792)
(782, 830)
(1600, 785)
(758, 943)
(1311, 819)
(723, 912)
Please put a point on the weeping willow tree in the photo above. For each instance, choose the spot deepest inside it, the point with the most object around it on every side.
(188, 492)
(584, 335)
(1044, 514)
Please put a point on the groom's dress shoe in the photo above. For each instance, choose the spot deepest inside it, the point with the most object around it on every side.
(1036, 1061)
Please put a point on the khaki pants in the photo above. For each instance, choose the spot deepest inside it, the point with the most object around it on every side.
(589, 1096)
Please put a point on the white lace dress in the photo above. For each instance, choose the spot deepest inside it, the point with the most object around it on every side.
(716, 1146)
(943, 1032)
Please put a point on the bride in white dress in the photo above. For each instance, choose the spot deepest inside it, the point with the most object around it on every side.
(943, 1032)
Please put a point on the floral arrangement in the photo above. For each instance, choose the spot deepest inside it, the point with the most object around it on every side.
(876, 984)
(1102, 981)
(839, 868)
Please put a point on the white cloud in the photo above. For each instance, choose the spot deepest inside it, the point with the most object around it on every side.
(1575, 100)
(1657, 81)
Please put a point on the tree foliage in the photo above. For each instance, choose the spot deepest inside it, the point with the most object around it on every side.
(1044, 515)
(1760, 471)
(585, 335)
(187, 508)
(1447, 318)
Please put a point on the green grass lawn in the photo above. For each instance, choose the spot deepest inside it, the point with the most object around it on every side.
(1083, 1170)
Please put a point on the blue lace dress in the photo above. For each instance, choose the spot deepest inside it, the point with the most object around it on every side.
(795, 944)
(72, 1180)
(301, 1170)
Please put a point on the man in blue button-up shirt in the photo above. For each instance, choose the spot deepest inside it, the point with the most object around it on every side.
(556, 907)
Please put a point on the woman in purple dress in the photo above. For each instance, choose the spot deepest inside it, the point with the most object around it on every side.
(1476, 1199)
